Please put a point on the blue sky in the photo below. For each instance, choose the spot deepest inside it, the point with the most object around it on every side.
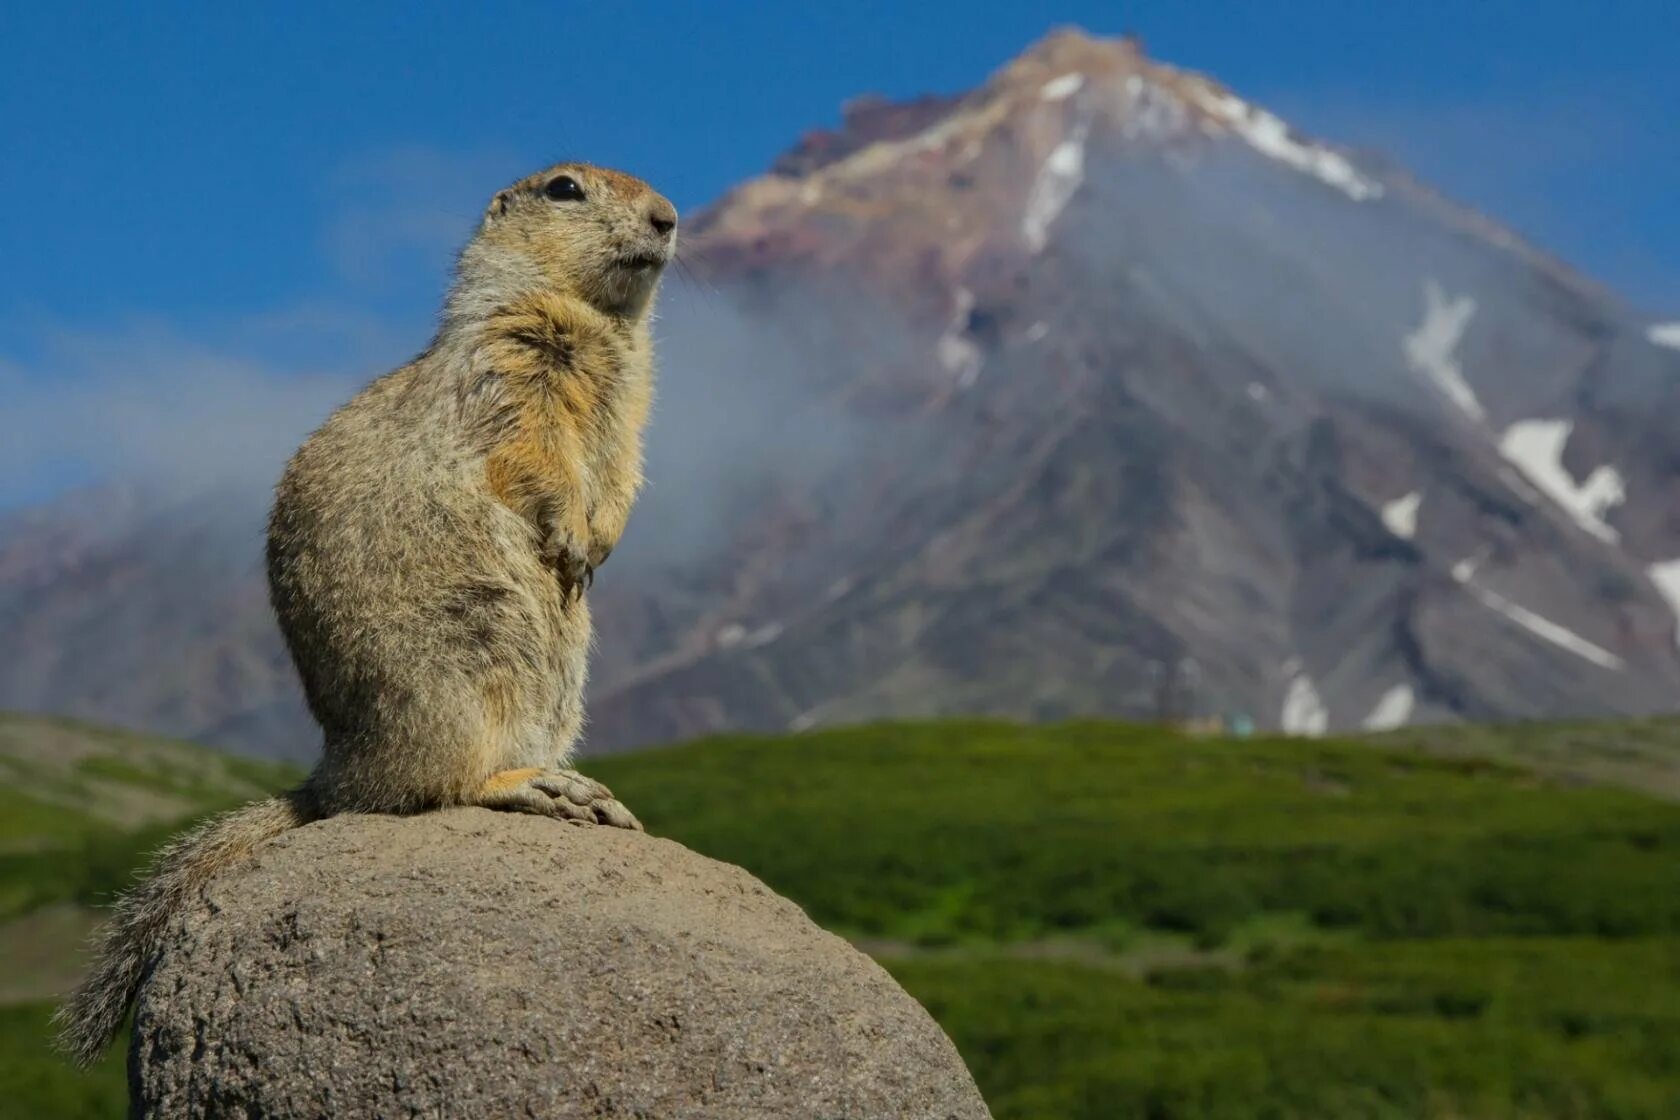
(277, 191)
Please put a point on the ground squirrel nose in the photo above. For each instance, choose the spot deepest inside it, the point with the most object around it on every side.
(663, 218)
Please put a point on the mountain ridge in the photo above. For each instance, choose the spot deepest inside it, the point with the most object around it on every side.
(779, 222)
(1095, 390)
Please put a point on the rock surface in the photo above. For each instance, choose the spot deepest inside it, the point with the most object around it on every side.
(471, 963)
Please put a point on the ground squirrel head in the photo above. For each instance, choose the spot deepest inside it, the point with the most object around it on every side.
(600, 235)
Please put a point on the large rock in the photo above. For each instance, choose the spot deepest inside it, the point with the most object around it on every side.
(478, 964)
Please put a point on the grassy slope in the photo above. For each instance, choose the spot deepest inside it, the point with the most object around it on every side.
(79, 808)
(1642, 755)
(1115, 921)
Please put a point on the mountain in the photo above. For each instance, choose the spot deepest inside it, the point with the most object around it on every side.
(1097, 390)
(1186, 412)
(147, 609)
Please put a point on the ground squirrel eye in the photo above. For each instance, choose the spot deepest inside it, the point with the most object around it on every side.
(564, 189)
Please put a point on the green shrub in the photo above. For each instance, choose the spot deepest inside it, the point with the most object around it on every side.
(944, 833)
(1443, 1029)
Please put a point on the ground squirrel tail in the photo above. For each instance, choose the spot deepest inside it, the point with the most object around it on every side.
(93, 1014)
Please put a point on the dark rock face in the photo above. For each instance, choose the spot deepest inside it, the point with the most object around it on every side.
(477, 964)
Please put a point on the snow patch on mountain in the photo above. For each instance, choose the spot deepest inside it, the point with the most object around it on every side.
(1152, 112)
(957, 352)
(762, 636)
(1303, 711)
(1535, 447)
(1058, 180)
(1665, 577)
(1392, 710)
(1400, 515)
(1544, 628)
(1271, 137)
(1665, 334)
(1062, 88)
(733, 634)
(1430, 349)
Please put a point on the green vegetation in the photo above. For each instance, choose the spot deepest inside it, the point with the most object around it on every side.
(35, 1081)
(1120, 922)
(985, 832)
(1116, 921)
(1642, 755)
(80, 809)
(1494, 1028)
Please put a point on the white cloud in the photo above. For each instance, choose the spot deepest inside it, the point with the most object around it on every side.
(143, 402)
(228, 398)
(403, 211)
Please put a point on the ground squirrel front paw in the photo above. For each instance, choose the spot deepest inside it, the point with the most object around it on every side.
(565, 794)
(569, 557)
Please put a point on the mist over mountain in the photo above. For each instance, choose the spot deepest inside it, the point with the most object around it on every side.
(1097, 390)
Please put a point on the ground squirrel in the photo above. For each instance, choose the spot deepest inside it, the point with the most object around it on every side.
(430, 546)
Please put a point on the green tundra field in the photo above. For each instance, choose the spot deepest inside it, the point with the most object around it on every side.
(1110, 920)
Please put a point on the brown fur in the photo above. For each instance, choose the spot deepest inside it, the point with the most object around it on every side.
(430, 546)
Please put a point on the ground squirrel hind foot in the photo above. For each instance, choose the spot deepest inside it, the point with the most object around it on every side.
(563, 794)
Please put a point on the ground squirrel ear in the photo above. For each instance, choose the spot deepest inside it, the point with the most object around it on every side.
(498, 205)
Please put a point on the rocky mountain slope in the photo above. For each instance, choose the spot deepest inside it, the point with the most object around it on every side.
(1096, 390)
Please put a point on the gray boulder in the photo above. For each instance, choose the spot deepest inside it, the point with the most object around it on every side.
(478, 964)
